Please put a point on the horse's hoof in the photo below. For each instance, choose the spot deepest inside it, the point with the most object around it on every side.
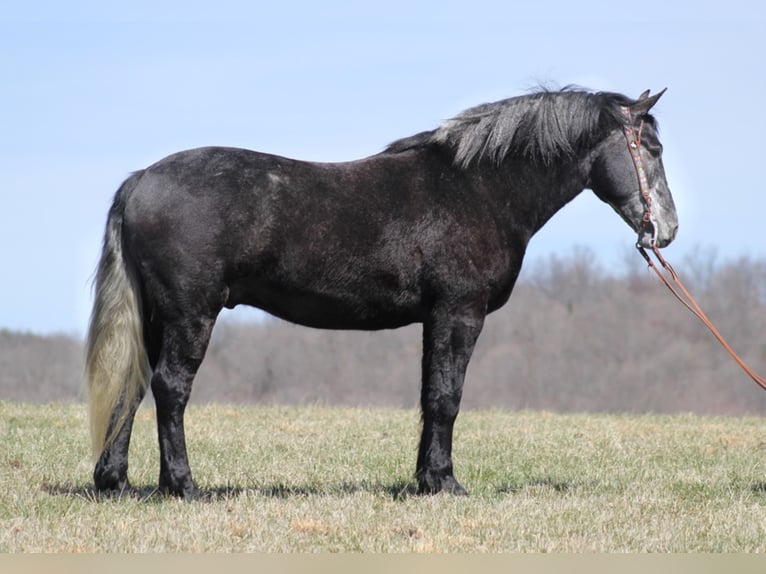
(110, 483)
(432, 483)
(187, 491)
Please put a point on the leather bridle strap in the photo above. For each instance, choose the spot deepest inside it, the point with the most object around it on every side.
(633, 138)
(682, 294)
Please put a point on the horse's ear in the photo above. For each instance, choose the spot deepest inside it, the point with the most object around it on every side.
(645, 103)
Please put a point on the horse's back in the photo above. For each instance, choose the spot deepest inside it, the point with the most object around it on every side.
(312, 243)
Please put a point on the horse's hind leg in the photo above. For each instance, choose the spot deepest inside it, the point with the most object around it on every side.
(183, 347)
(449, 337)
(111, 471)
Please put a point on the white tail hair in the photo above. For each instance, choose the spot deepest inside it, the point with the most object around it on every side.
(116, 367)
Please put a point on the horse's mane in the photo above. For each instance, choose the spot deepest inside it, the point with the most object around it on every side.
(544, 126)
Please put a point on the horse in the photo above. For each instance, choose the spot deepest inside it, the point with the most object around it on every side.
(431, 230)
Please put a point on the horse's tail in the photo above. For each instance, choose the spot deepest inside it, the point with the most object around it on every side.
(116, 365)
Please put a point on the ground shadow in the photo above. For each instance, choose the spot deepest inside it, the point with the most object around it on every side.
(397, 491)
(90, 493)
(547, 482)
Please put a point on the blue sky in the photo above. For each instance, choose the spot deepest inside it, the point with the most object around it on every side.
(93, 90)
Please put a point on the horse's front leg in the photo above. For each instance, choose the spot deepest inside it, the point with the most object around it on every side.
(449, 337)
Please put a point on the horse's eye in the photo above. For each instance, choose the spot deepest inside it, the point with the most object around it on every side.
(654, 148)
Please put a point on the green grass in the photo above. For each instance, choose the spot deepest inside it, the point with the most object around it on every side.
(340, 480)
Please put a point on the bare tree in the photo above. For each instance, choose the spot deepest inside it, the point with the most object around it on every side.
(572, 338)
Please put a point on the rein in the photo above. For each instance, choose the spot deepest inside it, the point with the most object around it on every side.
(680, 292)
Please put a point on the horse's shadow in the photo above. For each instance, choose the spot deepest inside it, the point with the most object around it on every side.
(396, 491)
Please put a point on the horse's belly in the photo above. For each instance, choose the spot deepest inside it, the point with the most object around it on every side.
(363, 310)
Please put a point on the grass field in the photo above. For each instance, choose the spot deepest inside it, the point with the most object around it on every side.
(312, 479)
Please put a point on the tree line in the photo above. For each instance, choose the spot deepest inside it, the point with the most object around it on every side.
(573, 338)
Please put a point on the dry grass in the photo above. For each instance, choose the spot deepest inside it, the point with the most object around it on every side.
(340, 480)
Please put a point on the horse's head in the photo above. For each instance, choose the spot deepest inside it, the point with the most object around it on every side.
(627, 173)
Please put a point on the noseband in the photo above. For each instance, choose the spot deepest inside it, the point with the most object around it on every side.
(633, 138)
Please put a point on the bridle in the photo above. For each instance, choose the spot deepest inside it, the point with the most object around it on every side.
(633, 138)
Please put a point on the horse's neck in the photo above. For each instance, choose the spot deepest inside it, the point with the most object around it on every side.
(527, 196)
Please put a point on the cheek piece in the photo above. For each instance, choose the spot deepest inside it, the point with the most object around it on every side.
(633, 137)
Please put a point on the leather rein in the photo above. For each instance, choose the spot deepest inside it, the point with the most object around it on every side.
(633, 137)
